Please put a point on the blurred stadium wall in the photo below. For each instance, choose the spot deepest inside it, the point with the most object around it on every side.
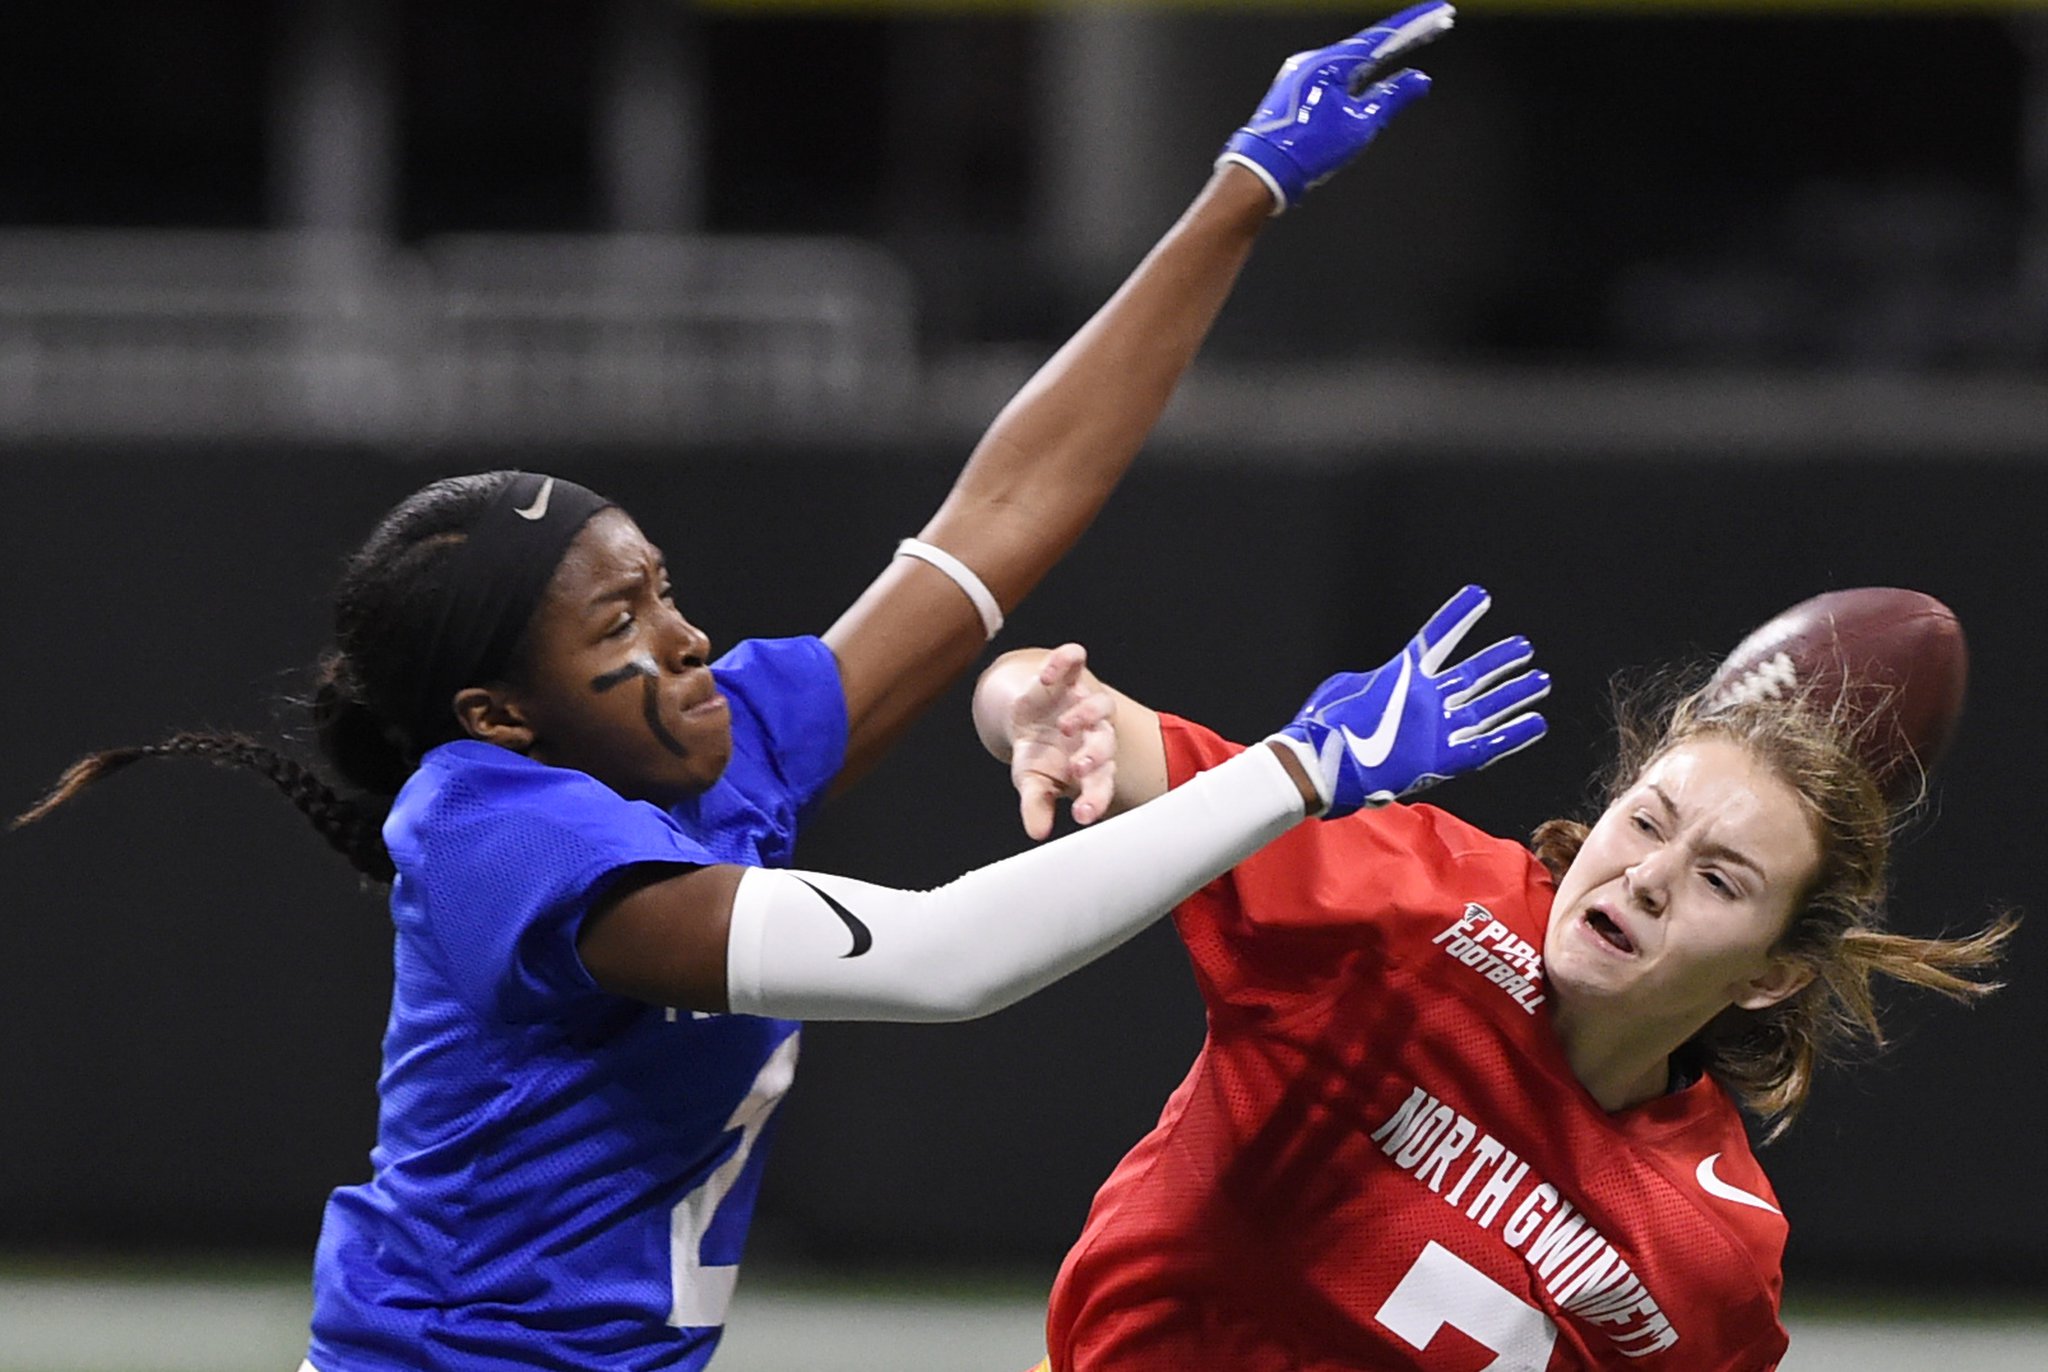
(1690, 311)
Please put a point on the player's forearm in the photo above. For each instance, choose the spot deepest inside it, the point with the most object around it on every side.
(813, 946)
(1054, 454)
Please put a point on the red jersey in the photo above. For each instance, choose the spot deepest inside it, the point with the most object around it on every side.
(1382, 1159)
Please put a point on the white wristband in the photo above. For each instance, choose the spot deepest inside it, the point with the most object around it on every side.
(806, 945)
(962, 576)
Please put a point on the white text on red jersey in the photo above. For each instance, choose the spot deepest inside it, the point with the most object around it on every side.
(1497, 953)
(1574, 1263)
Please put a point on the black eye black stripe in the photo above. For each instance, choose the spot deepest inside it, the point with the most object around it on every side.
(862, 939)
(650, 699)
(639, 666)
(650, 710)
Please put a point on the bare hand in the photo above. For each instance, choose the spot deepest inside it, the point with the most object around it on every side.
(1063, 743)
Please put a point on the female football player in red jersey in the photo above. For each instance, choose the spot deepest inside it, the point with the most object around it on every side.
(581, 815)
(1462, 1103)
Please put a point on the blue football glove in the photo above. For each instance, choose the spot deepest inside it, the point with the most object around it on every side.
(1321, 112)
(1369, 738)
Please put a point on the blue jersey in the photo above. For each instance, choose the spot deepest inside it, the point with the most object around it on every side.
(563, 1178)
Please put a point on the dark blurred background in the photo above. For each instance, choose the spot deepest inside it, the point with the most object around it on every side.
(1654, 318)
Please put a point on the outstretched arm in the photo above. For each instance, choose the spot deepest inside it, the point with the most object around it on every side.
(1043, 470)
(1051, 458)
(813, 945)
(809, 945)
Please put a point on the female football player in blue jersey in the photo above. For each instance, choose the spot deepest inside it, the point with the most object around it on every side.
(578, 807)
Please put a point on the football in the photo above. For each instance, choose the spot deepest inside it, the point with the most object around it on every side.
(1899, 655)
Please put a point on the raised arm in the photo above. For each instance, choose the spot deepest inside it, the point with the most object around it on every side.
(1051, 458)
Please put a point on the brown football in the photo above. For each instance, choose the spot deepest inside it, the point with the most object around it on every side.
(1900, 654)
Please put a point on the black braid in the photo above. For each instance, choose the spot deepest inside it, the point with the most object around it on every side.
(384, 618)
(353, 826)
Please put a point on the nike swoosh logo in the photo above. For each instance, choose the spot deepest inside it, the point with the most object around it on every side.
(539, 508)
(1714, 1186)
(1372, 750)
(862, 939)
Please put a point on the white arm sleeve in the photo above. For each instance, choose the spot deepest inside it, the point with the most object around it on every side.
(806, 945)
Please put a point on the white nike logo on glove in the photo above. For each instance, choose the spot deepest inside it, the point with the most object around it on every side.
(1372, 750)
(1714, 1186)
(539, 508)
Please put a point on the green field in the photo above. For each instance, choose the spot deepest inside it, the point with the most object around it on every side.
(129, 1318)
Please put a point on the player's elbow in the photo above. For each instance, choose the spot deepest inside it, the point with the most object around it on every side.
(962, 995)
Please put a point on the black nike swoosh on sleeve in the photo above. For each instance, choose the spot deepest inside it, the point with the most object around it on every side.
(862, 939)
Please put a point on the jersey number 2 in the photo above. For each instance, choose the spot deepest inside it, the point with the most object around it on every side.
(701, 1291)
(1441, 1288)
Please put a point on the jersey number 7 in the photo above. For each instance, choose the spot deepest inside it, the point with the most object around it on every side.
(1441, 1288)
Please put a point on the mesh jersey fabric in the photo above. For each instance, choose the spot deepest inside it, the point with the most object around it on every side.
(1381, 1159)
(539, 1140)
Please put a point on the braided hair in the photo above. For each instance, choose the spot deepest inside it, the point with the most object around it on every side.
(363, 706)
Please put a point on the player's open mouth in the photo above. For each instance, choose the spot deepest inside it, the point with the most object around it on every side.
(1601, 923)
